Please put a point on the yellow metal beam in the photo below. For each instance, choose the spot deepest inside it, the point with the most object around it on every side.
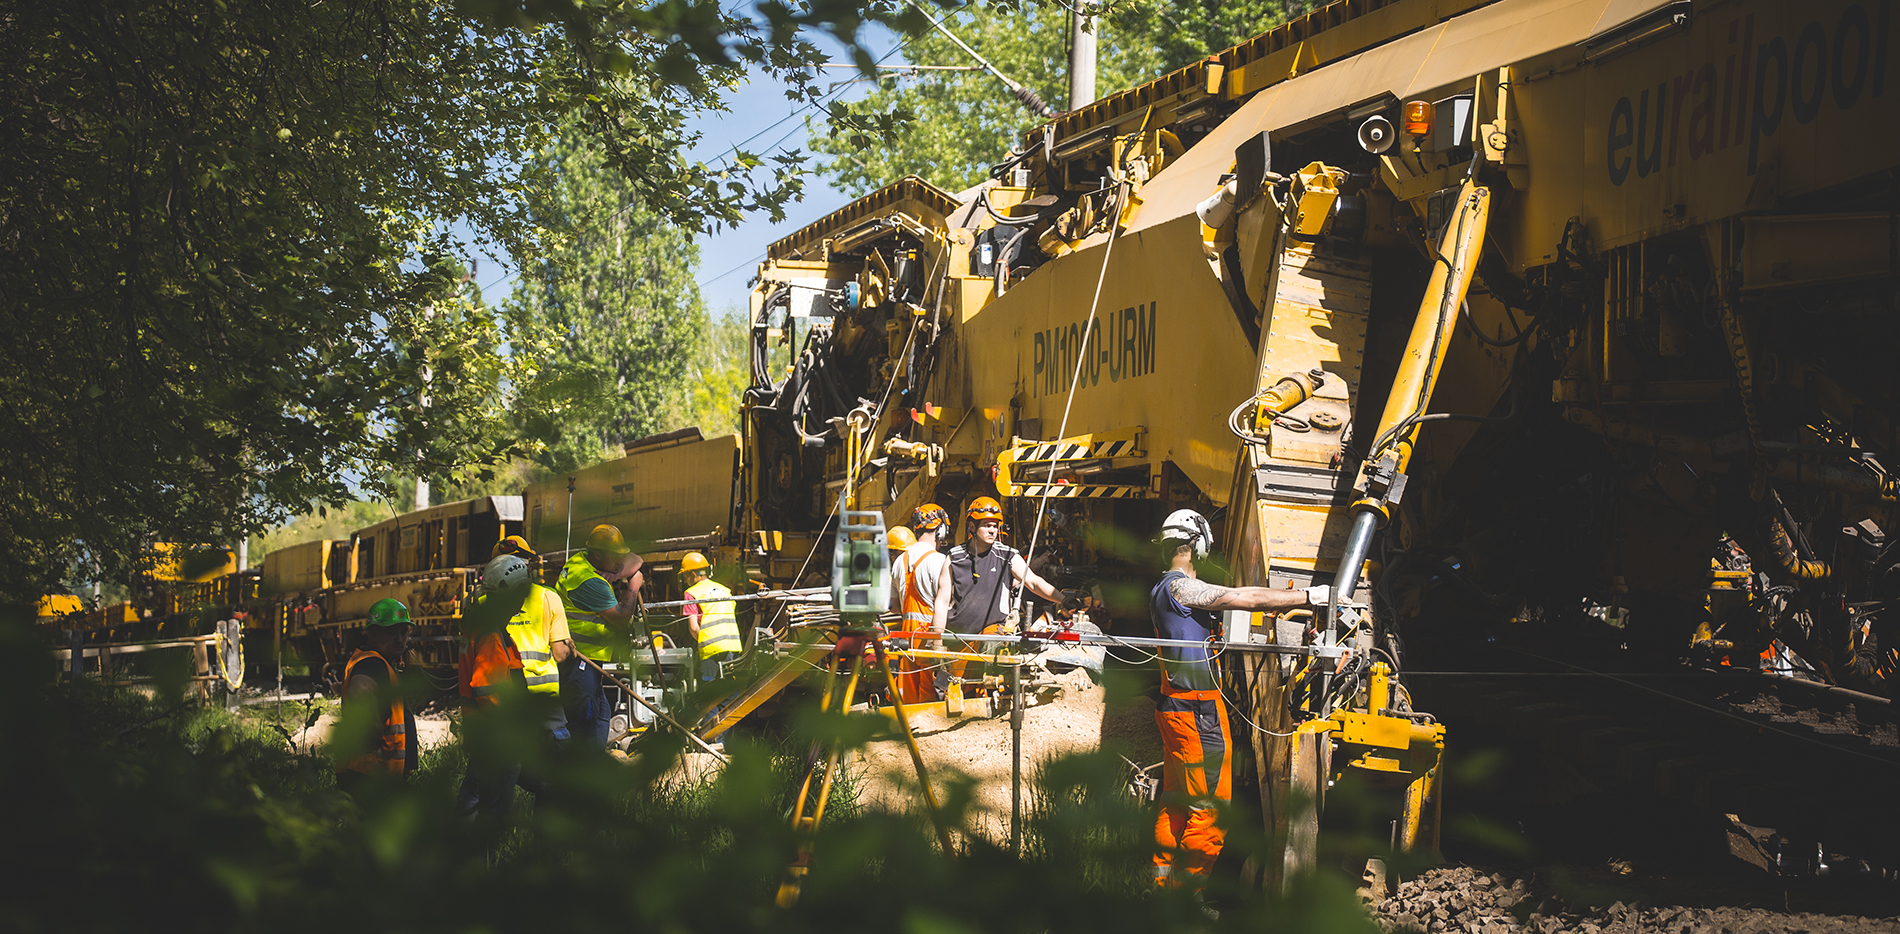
(789, 669)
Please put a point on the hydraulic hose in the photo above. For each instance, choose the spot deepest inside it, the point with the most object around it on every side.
(1003, 258)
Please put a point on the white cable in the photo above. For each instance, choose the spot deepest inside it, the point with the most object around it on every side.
(1082, 354)
(1233, 705)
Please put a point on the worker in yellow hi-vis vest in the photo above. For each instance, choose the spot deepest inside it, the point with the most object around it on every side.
(598, 619)
(713, 621)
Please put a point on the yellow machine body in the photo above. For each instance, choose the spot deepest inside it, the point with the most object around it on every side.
(1174, 314)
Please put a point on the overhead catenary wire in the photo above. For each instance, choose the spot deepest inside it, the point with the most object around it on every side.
(1027, 96)
(795, 112)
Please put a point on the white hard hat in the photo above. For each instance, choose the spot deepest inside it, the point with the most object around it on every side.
(1186, 525)
(504, 573)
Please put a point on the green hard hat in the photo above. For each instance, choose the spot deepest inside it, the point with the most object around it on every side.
(389, 611)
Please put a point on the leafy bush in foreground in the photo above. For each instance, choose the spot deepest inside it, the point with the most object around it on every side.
(153, 814)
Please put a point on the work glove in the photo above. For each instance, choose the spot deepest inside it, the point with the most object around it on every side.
(1319, 595)
(1074, 600)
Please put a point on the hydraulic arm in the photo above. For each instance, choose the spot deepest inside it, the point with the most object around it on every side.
(1381, 481)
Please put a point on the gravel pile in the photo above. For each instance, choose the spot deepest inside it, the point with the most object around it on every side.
(1463, 899)
(1455, 899)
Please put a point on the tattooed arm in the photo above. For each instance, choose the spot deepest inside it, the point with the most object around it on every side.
(1201, 595)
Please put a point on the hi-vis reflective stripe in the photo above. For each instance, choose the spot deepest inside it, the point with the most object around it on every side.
(395, 730)
(388, 753)
(1082, 490)
(1073, 451)
(483, 690)
(535, 656)
(917, 617)
(545, 679)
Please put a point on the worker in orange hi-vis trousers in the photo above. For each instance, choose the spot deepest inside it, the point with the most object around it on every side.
(1197, 772)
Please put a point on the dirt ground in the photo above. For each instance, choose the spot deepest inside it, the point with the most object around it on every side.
(432, 729)
(1079, 720)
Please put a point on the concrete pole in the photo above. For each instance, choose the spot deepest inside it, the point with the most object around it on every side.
(422, 494)
(244, 553)
(1081, 61)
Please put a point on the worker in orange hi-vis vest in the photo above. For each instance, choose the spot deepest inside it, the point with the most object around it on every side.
(371, 682)
(922, 595)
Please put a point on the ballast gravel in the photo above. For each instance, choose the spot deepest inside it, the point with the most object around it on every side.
(1463, 899)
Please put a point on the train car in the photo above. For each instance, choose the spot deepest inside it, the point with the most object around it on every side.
(669, 494)
(429, 559)
(1482, 311)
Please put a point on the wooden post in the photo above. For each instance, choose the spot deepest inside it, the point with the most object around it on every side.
(1302, 840)
(201, 657)
(1273, 755)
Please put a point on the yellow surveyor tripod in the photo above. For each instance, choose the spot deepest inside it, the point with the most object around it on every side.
(849, 654)
(860, 586)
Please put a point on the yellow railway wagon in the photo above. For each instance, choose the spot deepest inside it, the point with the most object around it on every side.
(451, 535)
(668, 494)
(302, 567)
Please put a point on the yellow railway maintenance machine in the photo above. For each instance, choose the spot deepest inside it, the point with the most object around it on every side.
(1368, 283)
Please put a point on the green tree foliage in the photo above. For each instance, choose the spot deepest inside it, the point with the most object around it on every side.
(615, 303)
(332, 522)
(224, 257)
(716, 376)
(961, 123)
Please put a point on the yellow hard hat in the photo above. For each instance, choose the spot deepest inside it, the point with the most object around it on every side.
(513, 545)
(606, 540)
(899, 538)
(694, 561)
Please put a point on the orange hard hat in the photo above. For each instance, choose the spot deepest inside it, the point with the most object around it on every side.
(929, 516)
(986, 507)
(694, 561)
(899, 538)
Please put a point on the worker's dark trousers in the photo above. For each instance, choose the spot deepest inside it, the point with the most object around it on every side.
(488, 788)
(709, 668)
(585, 697)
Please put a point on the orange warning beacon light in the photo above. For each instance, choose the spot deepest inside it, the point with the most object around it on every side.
(1418, 118)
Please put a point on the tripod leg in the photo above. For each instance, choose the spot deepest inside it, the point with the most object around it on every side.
(807, 827)
(916, 756)
(831, 761)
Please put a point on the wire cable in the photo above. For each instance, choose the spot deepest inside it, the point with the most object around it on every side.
(1234, 706)
(1082, 355)
(1478, 332)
